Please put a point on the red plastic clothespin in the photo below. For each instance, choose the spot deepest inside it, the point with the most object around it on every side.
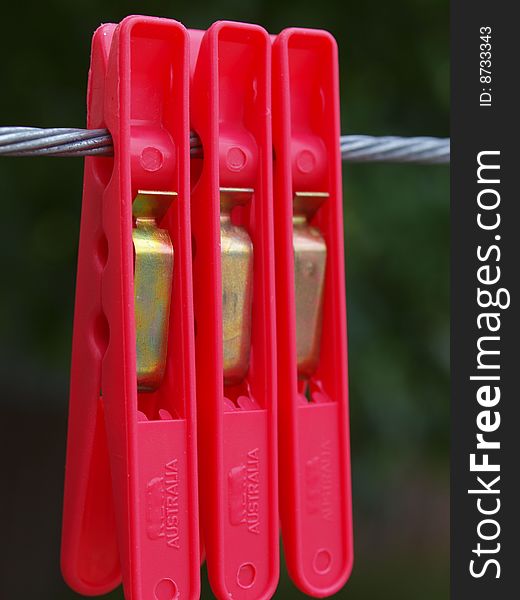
(314, 452)
(131, 487)
(233, 268)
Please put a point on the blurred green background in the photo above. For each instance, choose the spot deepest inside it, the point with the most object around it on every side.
(394, 80)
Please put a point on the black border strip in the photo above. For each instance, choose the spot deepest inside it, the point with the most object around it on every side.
(476, 129)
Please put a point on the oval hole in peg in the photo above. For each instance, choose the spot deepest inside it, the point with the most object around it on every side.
(153, 276)
(310, 259)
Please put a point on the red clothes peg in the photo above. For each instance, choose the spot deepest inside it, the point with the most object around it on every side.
(130, 503)
(314, 452)
(233, 269)
(131, 507)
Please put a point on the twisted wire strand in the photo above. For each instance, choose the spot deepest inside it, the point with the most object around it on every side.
(419, 150)
(60, 141)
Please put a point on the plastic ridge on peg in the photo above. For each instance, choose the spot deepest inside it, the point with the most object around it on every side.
(314, 448)
(131, 501)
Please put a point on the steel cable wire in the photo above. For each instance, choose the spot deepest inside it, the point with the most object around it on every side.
(60, 141)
